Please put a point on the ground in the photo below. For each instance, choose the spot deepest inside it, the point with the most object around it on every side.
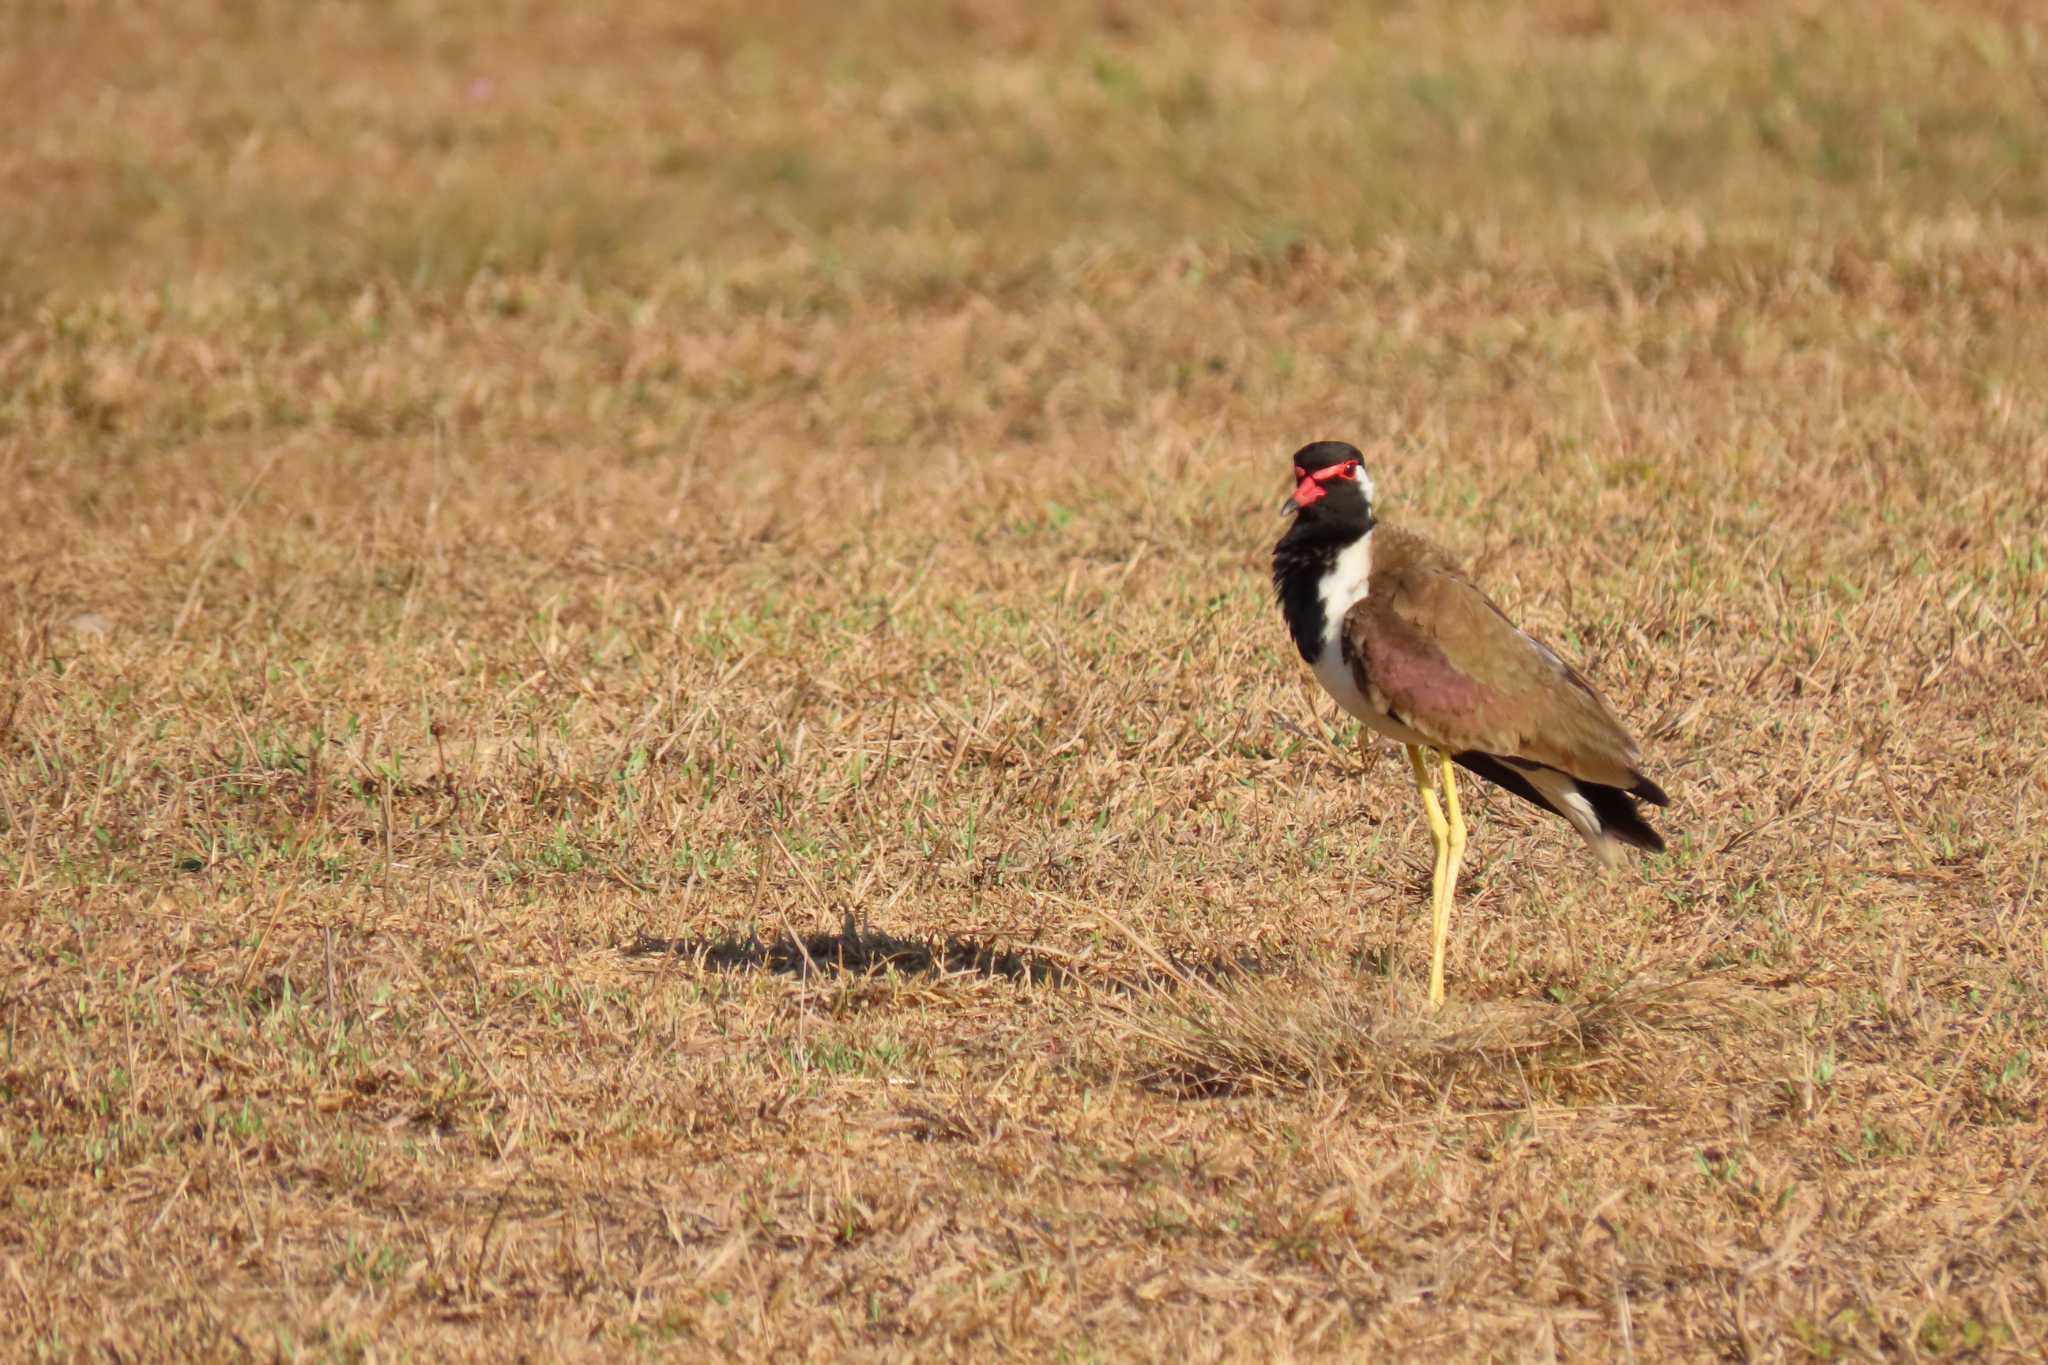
(640, 712)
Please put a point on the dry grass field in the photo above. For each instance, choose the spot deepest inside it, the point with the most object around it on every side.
(640, 713)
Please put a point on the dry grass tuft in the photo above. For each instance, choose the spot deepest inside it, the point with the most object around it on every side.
(639, 712)
(1491, 1056)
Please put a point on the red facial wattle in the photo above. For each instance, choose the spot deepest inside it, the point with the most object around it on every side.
(1313, 486)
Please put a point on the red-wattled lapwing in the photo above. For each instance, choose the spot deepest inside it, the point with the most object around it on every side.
(1407, 644)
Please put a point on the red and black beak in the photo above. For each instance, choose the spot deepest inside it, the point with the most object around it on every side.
(1311, 488)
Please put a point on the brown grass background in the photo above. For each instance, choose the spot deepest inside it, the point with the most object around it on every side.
(639, 713)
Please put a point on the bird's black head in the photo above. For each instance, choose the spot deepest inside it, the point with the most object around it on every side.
(1332, 506)
(1331, 485)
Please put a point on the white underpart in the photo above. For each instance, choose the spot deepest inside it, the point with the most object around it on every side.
(1563, 794)
(1342, 588)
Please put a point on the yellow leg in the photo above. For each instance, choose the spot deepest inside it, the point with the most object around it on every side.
(1440, 927)
(1439, 903)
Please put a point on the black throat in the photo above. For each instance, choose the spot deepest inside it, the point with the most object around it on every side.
(1302, 557)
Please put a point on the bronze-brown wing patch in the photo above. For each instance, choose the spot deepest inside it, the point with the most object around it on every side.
(1432, 648)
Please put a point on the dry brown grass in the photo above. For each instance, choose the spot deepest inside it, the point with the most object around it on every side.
(640, 713)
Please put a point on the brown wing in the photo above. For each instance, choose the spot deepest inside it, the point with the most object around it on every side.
(1435, 651)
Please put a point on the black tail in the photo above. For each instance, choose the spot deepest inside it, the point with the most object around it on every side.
(1615, 807)
(1619, 816)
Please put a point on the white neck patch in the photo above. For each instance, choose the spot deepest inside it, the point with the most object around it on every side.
(1345, 583)
(1343, 586)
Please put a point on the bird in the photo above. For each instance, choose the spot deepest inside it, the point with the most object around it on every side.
(1406, 642)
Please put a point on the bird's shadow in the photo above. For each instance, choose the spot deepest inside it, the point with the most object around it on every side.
(859, 952)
